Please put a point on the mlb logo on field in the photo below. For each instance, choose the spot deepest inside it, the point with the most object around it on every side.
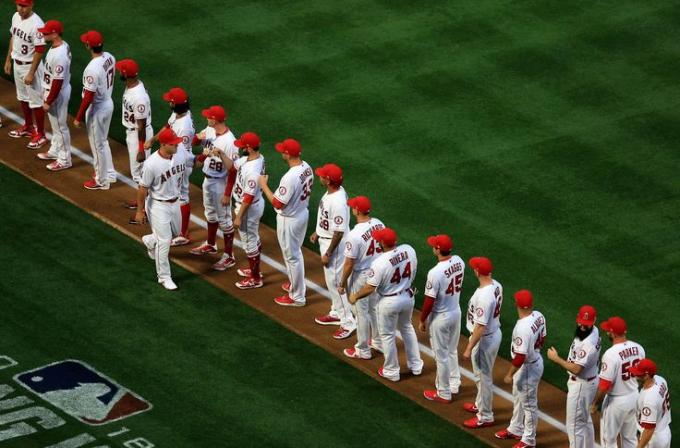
(79, 390)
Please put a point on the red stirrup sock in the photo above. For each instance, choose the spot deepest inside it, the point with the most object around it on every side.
(212, 233)
(39, 120)
(185, 209)
(229, 243)
(28, 114)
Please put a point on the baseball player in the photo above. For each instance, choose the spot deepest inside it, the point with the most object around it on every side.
(56, 84)
(441, 312)
(218, 142)
(360, 251)
(581, 365)
(26, 48)
(653, 406)
(136, 116)
(484, 325)
(525, 371)
(161, 182)
(391, 276)
(96, 108)
(332, 225)
(291, 203)
(618, 389)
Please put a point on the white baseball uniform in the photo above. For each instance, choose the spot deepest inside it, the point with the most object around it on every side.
(618, 407)
(98, 77)
(654, 411)
(484, 309)
(163, 178)
(247, 183)
(392, 274)
(184, 128)
(58, 66)
(294, 191)
(136, 106)
(444, 283)
(527, 339)
(333, 216)
(215, 177)
(25, 37)
(363, 249)
(582, 389)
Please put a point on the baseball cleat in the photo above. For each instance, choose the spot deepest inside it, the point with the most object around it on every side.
(474, 423)
(203, 249)
(376, 347)
(113, 179)
(37, 141)
(245, 272)
(432, 395)
(327, 320)
(130, 205)
(226, 262)
(22, 131)
(417, 372)
(522, 445)
(168, 284)
(45, 156)
(342, 333)
(382, 374)
(470, 407)
(56, 166)
(353, 353)
(286, 286)
(250, 283)
(92, 185)
(507, 435)
(287, 301)
(182, 240)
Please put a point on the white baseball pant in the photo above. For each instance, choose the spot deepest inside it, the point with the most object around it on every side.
(213, 190)
(290, 231)
(60, 146)
(367, 316)
(249, 232)
(483, 358)
(132, 141)
(32, 94)
(340, 306)
(525, 401)
(618, 417)
(166, 221)
(186, 179)
(444, 336)
(98, 121)
(660, 439)
(395, 313)
(580, 396)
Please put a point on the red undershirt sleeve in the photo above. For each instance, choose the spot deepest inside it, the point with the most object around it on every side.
(40, 49)
(518, 360)
(87, 100)
(648, 425)
(428, 304)
(201, 157)
(196, 141)
(605, 385)
(231, 180)
(278, 204)
(55, 88)
(248, 198)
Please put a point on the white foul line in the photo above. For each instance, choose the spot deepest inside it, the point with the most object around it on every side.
(281, 268)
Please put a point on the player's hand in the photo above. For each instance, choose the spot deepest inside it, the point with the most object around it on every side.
(46, 107)
(237, 222)
(422, 326)
(593, 409)
(141, 156)
(352, 299)
(28, 79)
(149, 144)
(325, 259)
(341, 290)
(76, 123)
(201, 135)
(507, 379)
(313, 238)
(467, 354)
(263, 180)
(552, 354)
(8, 67)
(225, 200)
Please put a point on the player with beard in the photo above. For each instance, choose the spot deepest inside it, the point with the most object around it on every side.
(581, 366)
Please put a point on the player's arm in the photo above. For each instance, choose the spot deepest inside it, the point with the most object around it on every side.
(347, 268)
(228, 163)
(142, 191)
(142, 139)
(8, 59)
(366, 291)
(646, 436)
(570, 367)
(475, 337)
(89, 88)
(335, 241)
(266, 191)
(37, 57)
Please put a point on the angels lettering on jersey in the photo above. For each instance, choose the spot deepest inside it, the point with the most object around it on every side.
(25, 36)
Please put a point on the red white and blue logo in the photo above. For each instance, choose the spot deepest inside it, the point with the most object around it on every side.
(79, 390)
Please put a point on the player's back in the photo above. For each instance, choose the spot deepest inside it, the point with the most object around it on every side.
(529, 335)
(361, 246)
(295, 189)
(485, 307)
(446, 278)
(616, 362)
(395, 270)
(99, 77)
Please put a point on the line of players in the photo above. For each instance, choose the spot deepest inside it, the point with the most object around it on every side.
(369, 276)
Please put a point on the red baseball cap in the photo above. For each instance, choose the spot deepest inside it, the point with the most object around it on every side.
(441, 242)
(26, 3)
(128, 67)
(289, 146)
(614, 324)
(644, 367)
(168, 137)
(330, 171)
(586, 316)
(386, 236)
(361, 203)
(176, 95)
(524, 298)
(249, 139)
(51, 26)
(216, 113)
(92, 38)
(481, 264)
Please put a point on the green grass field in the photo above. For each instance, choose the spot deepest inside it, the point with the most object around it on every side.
(542, 134)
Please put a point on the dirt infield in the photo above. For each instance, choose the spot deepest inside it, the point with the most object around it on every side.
(108, 206)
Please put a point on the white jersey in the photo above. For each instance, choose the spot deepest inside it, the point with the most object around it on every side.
(528, 337)
(247, 178)
(654, 405)
(615, 364)
(98, 77)
(484, 308)
(294, 190)
(444, 283)
(586, 353)
(333, 215)
(57, 66)
(25, 36)
(183, 127)
(136, 106)
(213, 165)
(360, 245)
(393, 272)
(163, 177)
